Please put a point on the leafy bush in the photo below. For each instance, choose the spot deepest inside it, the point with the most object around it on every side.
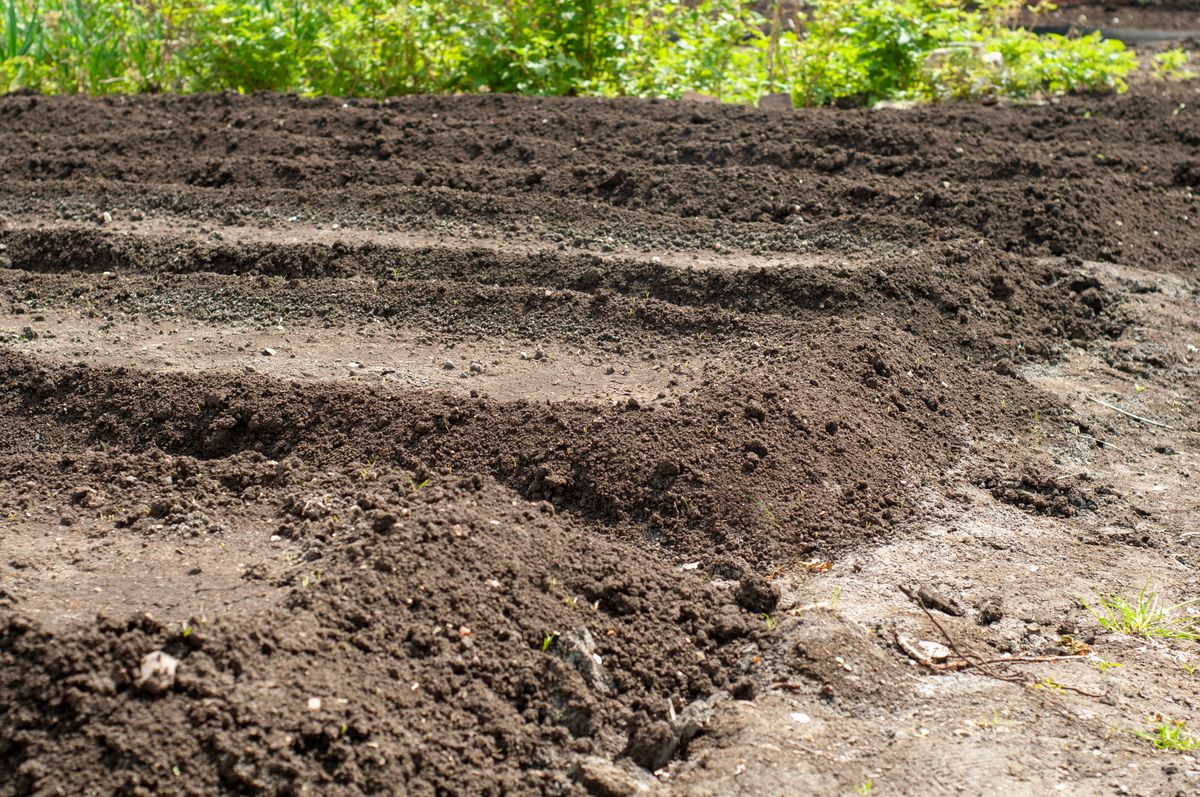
(857, 51)
(869, 50)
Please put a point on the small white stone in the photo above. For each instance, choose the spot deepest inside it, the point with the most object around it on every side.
(934, 651)
(157, 672)
(314, 704)
(801, 717)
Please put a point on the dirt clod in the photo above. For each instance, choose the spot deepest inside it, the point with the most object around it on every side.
(756, 594)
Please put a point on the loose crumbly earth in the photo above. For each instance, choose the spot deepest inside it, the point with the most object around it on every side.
(486, 445)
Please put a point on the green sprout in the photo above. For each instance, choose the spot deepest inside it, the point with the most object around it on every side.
(1144, 616)
(1170, 735)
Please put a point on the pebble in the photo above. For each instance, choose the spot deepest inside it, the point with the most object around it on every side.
(934, 651)
(268, 352)
(156, 674)
(447, 365)
(314, 704)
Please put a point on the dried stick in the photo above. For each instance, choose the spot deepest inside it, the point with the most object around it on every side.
(1129, 414)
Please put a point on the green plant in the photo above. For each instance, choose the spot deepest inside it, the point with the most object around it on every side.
(766, 510)
(1170, 735)
(864, 788)
(864, 51)
(1105, 666)
(548, 638)
(1174, 64)
(1144, 616)
(850, 51)
(772, 622)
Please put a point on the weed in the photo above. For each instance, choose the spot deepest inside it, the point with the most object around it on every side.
(1105, 666)
(1074, 646)
(1144, 616)
(1170, 735)
(1174, 64)
(548, 638)
(185, 630)
(1047, 683)
(864, 788)
(1189, 668)
(994, 722)
(766, 510)
(772, 622)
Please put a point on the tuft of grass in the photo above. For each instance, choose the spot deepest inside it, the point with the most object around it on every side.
(1144, 616)
(1170, 735)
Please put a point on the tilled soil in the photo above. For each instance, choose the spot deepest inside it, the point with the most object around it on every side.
(470, 445)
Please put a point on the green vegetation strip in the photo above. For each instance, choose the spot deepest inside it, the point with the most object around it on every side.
(840, 51)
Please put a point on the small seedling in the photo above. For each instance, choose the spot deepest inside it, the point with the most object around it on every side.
(1047, 683)
(185, 630)
(772, 622)
(1170, 735)
(1105, 666)
(766, 510)
(994, 722)
(1074, 646)
(548, 638)
(837, 596)
(1189, 668)
(1144, 616)
(864, 788)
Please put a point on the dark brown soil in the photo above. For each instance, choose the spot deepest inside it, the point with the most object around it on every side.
(1097, 179)
(1171, 15)
(602, 370)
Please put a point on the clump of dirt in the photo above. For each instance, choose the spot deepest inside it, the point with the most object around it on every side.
(1036, 491)
(444, 638)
